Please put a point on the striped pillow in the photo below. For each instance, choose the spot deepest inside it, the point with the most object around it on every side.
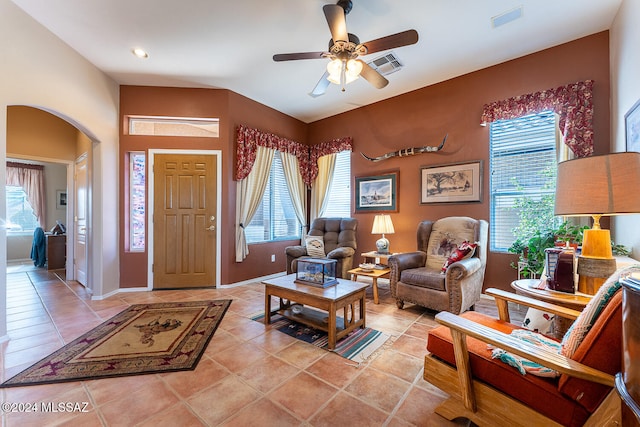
(581, 326)
(315, 246)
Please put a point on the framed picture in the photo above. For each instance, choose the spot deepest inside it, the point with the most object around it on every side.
(632, 127)
(61, 199)
(453, 183)
(377, 193)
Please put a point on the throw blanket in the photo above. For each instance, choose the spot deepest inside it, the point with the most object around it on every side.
(523, 365)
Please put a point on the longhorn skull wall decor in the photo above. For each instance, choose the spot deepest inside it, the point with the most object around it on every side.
(407, 152)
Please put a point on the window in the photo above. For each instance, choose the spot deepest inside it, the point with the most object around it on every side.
(523, 172)
(20, 216)
(137, 201)
(275, 218)
(339, 203)
(174, 126)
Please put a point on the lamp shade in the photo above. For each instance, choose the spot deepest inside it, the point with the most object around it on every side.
(382, 225)
(596, 186)
(599, 185)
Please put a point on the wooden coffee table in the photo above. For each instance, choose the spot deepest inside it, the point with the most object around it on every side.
(346, 295)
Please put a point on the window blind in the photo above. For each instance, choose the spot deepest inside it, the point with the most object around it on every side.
(275, 218)
(339, 203)
(522, 164)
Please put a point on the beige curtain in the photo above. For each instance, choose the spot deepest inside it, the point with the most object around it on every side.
(563, 153)
(248, 196)
(297, 188)
(31, 179)
(322, 185)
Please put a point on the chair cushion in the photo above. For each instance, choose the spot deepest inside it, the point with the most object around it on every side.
(315, 246)
(541, 394)
(446, 235)
(423, 277)
(606, 335)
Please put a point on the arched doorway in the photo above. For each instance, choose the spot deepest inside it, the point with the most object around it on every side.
(39, 136)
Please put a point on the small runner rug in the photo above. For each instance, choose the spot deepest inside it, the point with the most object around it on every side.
(143, 339)
(356, 346)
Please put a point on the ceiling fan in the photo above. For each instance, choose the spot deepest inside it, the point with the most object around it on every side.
(345, 49)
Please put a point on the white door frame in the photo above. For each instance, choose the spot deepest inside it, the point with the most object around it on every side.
(150, 204)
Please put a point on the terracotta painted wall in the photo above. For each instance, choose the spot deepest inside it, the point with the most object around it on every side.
(232, 109)
(454, 107)
(38, 134)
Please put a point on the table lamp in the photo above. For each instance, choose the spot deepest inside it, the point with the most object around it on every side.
(598, 186)
(382, 225)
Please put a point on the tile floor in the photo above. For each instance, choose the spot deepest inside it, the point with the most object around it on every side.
(249, 375)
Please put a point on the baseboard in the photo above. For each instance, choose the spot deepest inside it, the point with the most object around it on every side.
(256, 279)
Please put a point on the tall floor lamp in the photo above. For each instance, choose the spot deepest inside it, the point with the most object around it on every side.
(598, 186)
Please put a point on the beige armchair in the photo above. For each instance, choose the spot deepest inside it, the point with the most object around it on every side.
(417, 277)
(339, 241)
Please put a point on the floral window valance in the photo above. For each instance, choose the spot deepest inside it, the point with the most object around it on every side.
(249, 139)
(573, 103)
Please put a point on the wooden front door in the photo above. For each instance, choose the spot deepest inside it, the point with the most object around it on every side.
(184, 225)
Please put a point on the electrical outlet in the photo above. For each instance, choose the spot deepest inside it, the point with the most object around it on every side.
(273, 257)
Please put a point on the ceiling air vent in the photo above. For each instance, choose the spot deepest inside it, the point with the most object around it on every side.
(506, 17)
(386, 64)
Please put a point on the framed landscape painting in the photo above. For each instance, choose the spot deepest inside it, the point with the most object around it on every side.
(454, 183)
(377, 193)
(632, 127)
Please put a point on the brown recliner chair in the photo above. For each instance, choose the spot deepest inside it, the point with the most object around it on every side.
(339, 236)
(417, 277)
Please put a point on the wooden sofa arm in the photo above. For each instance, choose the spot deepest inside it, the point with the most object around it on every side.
(502, 297)
(461, 327)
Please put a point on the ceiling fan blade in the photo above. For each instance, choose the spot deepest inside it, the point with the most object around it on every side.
(295, 56)
(372, 76)
(389, 42)
(337, 22)
(321, 87)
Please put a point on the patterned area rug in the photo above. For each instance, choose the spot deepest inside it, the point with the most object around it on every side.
(356, 346)
(143, 339)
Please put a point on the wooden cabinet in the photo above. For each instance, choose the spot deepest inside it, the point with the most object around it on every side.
(56, 251)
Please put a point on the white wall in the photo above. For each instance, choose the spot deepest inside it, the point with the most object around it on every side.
(39, 70)
(625, 91)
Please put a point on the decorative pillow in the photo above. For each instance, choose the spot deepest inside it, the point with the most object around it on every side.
(538, 321)
(525, 366)
(315, 246)
(581, 326)
(463, 251)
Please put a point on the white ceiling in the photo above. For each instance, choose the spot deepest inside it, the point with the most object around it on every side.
(230, 44)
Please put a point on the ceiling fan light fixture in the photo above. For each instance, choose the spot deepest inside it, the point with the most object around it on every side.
(354, 68)
(334, 68)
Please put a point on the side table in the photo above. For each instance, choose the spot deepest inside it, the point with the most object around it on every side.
(374, 274)
(528, 287)
(377, 258)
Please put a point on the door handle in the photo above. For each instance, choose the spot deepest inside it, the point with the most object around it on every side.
(211, 228)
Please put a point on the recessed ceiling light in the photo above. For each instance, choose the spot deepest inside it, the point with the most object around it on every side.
(140, 53)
